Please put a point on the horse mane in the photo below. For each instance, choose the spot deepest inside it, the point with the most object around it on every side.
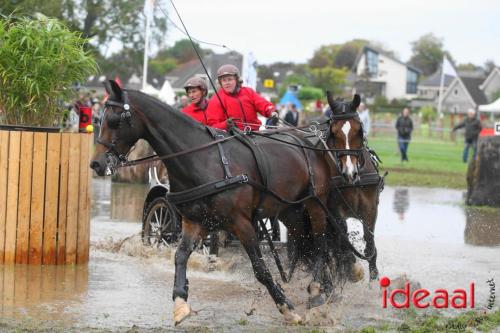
(159, 106)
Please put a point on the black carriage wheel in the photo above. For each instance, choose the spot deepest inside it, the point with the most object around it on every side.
(161, 223)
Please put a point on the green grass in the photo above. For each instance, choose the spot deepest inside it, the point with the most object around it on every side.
(429, 323)
(432, 163)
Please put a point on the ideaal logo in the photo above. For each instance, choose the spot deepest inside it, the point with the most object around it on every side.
(440, 299)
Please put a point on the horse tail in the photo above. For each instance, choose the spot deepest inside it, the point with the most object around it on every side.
(300, 244)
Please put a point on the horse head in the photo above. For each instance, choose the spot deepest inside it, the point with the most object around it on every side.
(120, 130)
(346, 136)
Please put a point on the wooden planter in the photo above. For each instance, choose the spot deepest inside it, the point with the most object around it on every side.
(44, 197)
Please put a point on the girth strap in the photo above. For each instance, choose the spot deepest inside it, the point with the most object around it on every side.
(257, 152)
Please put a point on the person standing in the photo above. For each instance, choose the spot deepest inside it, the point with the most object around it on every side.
(196, 90)
(292, 116)
(234, 105)
(364, 116)
(472, 129)
(404, 126)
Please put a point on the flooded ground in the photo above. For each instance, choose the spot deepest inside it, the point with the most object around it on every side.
(425, 234)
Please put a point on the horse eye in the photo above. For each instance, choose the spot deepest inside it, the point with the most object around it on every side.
(113, 121)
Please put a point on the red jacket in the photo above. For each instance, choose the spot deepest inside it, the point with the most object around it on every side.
(242, 107)
(195, 112)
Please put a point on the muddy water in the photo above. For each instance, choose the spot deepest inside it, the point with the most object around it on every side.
(425, 234)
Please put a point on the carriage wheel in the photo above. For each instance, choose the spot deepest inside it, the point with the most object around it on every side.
(161, 223)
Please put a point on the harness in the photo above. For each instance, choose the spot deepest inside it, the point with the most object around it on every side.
(248, 138)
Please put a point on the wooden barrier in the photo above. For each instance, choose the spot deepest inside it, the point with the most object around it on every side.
(44, 197)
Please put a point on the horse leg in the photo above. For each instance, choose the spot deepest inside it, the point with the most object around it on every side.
(242, 228)
(369, 236)
(318, 227)
(192, 234)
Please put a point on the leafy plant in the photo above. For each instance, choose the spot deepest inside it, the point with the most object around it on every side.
(428, 114)
(40, 59)
(310, 93)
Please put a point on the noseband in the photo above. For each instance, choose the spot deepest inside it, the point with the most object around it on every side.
(113, 157)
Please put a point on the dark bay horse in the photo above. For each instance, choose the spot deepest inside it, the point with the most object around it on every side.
(356, 183)
(294, 174)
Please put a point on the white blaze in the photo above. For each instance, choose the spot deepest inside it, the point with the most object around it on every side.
(350, 167)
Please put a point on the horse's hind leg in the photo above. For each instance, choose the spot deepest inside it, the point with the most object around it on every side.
(243, 229)
(192, 234)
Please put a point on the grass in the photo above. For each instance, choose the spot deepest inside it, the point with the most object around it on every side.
(467, 322)
(433, 163)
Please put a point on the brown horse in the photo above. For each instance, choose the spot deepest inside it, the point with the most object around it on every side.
(356, 183)
(232, 203)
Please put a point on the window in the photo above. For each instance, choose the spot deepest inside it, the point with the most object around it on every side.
(456, 92)
(372, 62)
(411, 81)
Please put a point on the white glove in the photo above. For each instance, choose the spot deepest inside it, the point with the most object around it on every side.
(275, 114)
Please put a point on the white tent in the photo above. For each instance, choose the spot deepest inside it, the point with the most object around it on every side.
(167, 94)
(150, 90)
(493, 107)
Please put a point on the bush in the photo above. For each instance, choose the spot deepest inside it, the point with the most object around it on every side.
(428, 114)
(40, 59)
(309, 93)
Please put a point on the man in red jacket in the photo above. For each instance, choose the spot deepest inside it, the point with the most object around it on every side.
(196, 90)
(239, 104)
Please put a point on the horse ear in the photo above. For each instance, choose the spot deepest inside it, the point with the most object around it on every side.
(355, 102)
(107, 87)
(331, 102)
(115, 90)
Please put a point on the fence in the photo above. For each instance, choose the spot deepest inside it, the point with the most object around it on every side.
(44, 197)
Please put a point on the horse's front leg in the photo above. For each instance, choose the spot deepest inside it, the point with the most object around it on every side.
(242, 228)
(192, 234)
(369, 236)
(318, 226)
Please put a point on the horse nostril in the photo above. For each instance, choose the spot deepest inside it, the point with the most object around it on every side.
(94, 165)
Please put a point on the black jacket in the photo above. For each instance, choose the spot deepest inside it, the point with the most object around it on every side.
(289, 118)
(472, 128)
(404, 125)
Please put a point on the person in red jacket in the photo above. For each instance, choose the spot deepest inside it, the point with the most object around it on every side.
(239, 104)
(196, 90)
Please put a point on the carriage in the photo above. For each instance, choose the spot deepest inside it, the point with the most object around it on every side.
(230, 181)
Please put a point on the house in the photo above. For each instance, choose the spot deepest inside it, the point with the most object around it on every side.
(428, 89)
(464, 93)
(213, 61)
(380, 74)
(491, 85)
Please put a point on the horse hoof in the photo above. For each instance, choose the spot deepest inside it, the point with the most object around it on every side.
(290, 316)
(182, 310)
(357, 273)
(315, 301)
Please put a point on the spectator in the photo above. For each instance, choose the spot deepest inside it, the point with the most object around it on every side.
(472, 129)
(292, 116)
(404, 126)
(364, 116)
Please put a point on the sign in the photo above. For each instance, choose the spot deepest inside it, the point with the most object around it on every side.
(268, 83)
(497, 128)
(85, 117)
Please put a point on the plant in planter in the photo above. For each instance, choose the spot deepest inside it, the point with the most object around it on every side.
(44, 176)
(40, 59)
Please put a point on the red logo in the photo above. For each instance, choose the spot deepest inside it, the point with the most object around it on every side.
(440, 299)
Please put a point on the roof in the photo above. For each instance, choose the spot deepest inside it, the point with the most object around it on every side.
(434, 80)
(181, 74)
(495, 71)
(472, 85)
(385, 54)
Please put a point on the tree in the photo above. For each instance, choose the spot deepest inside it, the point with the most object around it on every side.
(329, 78)
(427, 53)
(324, 56)
(467, 67)
(100, 21)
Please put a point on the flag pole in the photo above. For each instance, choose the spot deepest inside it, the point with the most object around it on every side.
(148, 8)
(441, 88)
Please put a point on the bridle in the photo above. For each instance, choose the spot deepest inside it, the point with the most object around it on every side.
(338, 153)
(113, 157)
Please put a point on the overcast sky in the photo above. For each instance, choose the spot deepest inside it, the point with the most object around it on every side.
(286, 30)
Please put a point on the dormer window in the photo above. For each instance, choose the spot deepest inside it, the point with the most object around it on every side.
(372, 62)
